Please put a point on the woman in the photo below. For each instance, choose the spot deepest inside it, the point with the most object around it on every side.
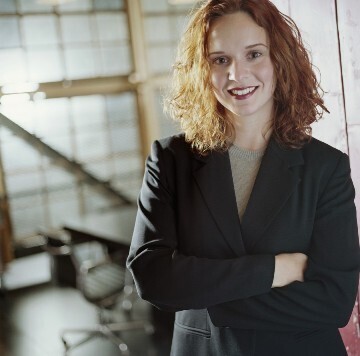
(246, 225)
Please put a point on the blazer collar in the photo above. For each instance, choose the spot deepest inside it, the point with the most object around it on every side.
(274, 184)
(291, 157)
(213, 176)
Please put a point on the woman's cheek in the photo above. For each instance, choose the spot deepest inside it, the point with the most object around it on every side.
(216, 81)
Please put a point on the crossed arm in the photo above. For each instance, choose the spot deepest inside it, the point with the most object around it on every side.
(287, 291)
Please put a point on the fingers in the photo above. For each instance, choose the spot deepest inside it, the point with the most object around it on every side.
(289, 267)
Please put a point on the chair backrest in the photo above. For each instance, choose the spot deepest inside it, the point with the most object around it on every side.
(101, 278)
(103, 283)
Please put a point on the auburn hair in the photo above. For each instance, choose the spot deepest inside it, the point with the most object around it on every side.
(297, 98)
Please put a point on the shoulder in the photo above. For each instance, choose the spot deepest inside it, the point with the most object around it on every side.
(173, 143)
(325, 162)
(323, 156)
(173, 146)
(314, 154)
(321, 150)
(171, 154)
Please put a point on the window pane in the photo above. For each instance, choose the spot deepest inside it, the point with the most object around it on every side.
(7, 6)
(155, 6)
(161, 59)
(70, 41)
(63, 205)
(58, 177)
(33, 6)
(81, 62)
(75, 28)
(129, 185)
(157, 29)
(186, 7)
(128, 165)
(116, 60)
(179, 24)
(45, 65)
(29, 182)
(17, 154)
(108, 4)
(78, 5)
(12, 64)
(9, 32)
(124, 139)
(112, 27)
(168, 126)
(27, 214)
(19, 110)
(99, 169)
(95, 200)
(88, 112)
(91, 145)
(39, 30)
(121, 108)
(51, 117)
(61, 143)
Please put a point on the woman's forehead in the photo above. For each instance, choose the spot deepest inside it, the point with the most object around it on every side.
(237, 29)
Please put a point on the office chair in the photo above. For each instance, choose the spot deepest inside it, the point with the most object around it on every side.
(103, 281)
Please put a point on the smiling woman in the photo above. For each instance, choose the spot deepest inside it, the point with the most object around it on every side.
(297, 100)
(246, 225)
(242, 73)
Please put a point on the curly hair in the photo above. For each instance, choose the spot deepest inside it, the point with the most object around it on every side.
(297, 98)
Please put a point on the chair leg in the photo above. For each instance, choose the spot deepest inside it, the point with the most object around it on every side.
(131, 325)
(116, 340)
(110, 329)
(107, 330)
(96, 331)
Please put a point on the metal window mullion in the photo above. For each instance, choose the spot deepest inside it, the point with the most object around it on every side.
(148, 124)
(6, 235)
(78, 182)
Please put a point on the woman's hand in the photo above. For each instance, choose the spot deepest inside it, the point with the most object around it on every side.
(289, 267)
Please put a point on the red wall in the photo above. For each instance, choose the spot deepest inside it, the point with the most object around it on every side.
(331, 28)
(349, 29)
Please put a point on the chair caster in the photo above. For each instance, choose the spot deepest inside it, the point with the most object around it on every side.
(124, 349)
(65, 343)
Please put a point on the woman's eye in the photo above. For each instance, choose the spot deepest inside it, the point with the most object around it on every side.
(254, 54)
(220, 60)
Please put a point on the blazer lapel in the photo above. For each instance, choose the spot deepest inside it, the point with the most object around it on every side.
(273, 186)
(214, 179)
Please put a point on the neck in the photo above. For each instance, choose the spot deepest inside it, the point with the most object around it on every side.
(252, 135)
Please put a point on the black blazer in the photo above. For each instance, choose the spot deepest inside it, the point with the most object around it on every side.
(191, 252)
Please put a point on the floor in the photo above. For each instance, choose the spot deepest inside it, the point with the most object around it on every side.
(32, 318)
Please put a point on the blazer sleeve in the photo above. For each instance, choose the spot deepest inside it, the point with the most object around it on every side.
(169, 279)
(326, 297)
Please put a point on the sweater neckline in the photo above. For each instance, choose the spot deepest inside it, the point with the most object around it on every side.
(239, 152)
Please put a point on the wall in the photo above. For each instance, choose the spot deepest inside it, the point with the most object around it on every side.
(349, 28)
(331, 30)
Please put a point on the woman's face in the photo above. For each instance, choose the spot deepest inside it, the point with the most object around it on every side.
(242, 73)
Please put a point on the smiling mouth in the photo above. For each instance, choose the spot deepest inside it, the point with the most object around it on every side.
(242, 93)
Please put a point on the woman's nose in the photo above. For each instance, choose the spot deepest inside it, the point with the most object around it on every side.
(238, 70)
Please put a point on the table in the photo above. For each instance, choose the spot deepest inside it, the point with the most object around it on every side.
(113, 228)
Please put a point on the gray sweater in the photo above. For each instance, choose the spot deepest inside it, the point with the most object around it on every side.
(245, 165)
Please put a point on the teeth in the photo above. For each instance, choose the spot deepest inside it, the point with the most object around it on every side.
(244, 91)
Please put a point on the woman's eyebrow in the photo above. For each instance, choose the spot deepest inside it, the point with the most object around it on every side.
(216, 52)
(255, 45)
(247, 47)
